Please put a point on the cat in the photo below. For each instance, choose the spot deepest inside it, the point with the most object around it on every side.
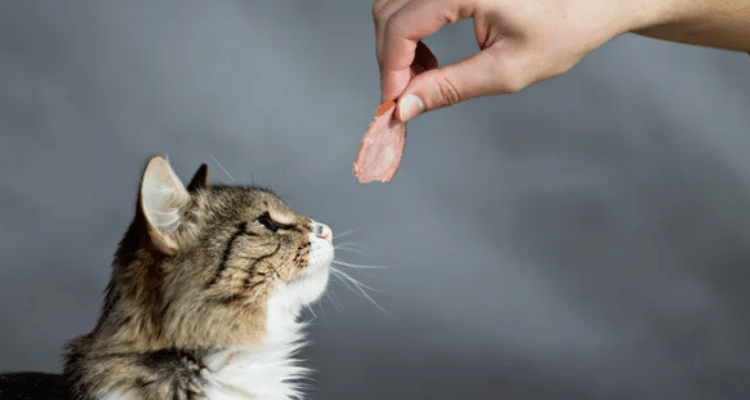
(206, 289)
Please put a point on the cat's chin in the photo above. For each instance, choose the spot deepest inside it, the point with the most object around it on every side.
(308, 286)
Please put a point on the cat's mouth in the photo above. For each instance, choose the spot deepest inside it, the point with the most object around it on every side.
(320, 256)
(311, 281)
(321, 249)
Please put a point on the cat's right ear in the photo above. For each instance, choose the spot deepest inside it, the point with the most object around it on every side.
(200, 179)
(161, 200)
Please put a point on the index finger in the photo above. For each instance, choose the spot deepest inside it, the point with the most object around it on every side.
(410, 24)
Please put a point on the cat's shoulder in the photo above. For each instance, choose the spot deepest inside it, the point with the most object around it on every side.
(32, 386)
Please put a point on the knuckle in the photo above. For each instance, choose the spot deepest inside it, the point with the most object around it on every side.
(395, 25)
(509, 73)
(377, 7)
(513, 84)
(513, 81)
(448, 91)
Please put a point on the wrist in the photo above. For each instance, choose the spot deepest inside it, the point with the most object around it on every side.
(642, 14)
(714, 23)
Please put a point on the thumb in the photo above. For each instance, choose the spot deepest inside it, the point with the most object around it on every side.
(477, 76)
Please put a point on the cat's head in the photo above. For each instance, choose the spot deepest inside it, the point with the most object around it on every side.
(212, 266)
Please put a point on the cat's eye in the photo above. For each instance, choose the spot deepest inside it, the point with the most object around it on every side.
(273, 226)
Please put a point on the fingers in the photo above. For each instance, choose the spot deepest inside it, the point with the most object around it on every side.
(492, 71)
(382, 10)
(399, 26)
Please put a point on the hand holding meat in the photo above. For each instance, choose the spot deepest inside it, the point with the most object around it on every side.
(521, 42)
(526, 41)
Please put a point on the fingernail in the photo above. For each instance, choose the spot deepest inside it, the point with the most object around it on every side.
(409, 107)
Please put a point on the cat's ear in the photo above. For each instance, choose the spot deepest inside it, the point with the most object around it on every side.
(200, 179)
(161, 198)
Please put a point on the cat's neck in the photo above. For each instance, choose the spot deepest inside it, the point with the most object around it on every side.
(261, 371)
(265, 372)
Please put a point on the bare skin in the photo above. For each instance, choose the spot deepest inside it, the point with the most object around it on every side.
(522, 42)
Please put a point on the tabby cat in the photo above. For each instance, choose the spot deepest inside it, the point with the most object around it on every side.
(207, 285)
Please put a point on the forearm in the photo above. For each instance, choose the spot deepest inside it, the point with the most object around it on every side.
(722, 24)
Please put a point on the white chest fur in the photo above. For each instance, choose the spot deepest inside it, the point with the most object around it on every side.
(253, 374)
(260, 373)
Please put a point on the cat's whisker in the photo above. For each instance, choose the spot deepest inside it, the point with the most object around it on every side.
(326, 296)
(322, 309)
(221, 166)
(315, 314)
(356, 288)
(309, 307)
(348, 284)
(346, 264)
(355, 251)
(354, 245)
(354, 281)
(363, 269)
(332, 296)
(345, 233)
(345, 278)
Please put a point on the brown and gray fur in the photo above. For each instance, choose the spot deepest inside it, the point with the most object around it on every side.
(179, 293)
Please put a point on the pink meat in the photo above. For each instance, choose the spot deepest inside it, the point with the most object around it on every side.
(382, 146)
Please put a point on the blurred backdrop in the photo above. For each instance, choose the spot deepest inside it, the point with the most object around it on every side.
(586, 238)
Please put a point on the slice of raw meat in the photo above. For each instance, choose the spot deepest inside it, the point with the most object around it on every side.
(382, 146)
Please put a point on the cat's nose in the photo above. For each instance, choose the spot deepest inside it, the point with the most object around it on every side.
(322, 231)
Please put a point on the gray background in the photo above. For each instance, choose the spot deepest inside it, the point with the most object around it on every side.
(587, 238)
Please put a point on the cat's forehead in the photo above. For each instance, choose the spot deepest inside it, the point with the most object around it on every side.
(249, 202)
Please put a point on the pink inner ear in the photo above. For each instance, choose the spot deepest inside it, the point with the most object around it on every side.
(161, 198)
(161, 241)
(381, 149)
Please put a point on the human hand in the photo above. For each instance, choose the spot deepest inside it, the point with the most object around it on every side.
(520, 42)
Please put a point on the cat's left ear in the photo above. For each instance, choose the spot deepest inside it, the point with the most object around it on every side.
(200, 179)
(161, 198)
